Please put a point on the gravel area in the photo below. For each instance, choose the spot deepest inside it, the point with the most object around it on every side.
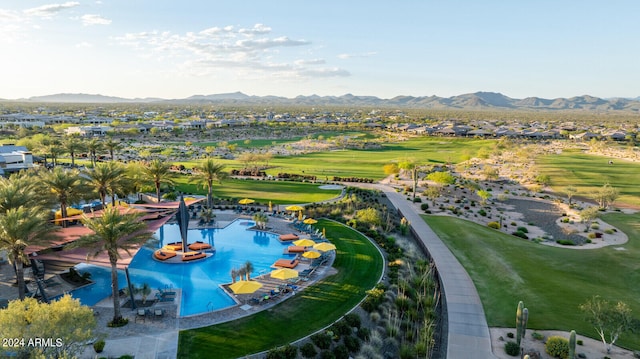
(543, 215)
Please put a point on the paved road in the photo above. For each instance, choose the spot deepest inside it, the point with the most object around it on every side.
(468, 332)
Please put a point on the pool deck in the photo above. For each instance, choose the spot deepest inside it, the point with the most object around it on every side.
(157, 337)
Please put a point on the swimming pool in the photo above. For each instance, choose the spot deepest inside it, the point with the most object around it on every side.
(199, 280)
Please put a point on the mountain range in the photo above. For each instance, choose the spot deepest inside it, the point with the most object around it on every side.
(470, 101)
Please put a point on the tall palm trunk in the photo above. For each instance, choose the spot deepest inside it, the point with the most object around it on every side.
(20, 277)
(210, 194)
(158, 190)
(117, 317)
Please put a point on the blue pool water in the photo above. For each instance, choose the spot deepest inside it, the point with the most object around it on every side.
(199, 280)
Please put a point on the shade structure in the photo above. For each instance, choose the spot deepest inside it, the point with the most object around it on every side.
(182, 218)
(246, 201)
(284, 273)
(245, 286)
(294, 208)
(309, 221)
(311, 254)
(305, 242)
(324, 247)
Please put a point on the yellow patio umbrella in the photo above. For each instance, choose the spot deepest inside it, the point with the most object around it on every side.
(309, 221)
(311, 254)
(284, 273)
(300, 216)
(270, 206)
(294, 208)
(245, 286)
(246, 201)
(324, 246)
(324, 232)
(305, 242)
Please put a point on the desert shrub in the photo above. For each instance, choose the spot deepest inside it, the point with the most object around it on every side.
(510, 335)
(352, 343)
(591, 235)
(494, 225)
(513, 223)
(565, 242)
(341, 327)
(308, 350)
(512, 348)
(364, 333)
(523, 229)
(326, 354)
(424, 206)
(579, 342)
(287, 352)
(595, 226)
(321, 340)
(353, 320)
(557, 347)
(609, 231)
(341, 352)
(520, 234)
(537, 336)
(482, 212)
(565, 220)
(417, 200)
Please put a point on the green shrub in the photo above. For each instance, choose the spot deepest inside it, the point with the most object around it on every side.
(424, 206)
(565, 242)
(537, 336)
(417, 200)
(482, 212)
(609, 231)
(353, 320)
(326, 354)
(494, 225)
(512, 348)
(523, 229)
(591, 235)
(126, 356)
(520, 234)
(595, 226)
(98, 346)
(557, 347)
(510, 335)
(352, 343)
(364, 333)
(287, 352)
(341, 352)
(321, 340)
(579, 342)
(308, 350)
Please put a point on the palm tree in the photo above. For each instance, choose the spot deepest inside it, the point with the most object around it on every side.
(54, 149)
(73, 145)
(19, 228)
(159, 172)
(248, 268)
(112, 233)
(93, 146)
(105, 178)
(112, 145)
(206, 173)
(66, 185)
(20, 190)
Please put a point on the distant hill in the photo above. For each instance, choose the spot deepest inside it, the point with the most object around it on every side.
(86, 98)
(471, 101)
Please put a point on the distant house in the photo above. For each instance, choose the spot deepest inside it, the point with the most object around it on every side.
(87, 131)
(14, 158)
(585, 136)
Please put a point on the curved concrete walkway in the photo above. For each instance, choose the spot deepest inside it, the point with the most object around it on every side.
(468, 332)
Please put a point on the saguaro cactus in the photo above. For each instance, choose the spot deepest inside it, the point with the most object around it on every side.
(572, 345)
(522, 315)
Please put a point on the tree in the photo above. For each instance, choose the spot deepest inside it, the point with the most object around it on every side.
(206, 173)
(93, 146)
(248, 268)
(390, 169)
(66, 185)
(588, 215)
(369, 215)
(484, 196)
(73, 145)
(606, 195)
(105, 178)
(570, 191)
(412, 167)
(65, 321)
(114, 232)
(608, 319)
(159, 172)
(19, 228)
(112, 145)
(543, 180)
(441, 178)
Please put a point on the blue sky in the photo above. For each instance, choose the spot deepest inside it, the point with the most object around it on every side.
(174, 49)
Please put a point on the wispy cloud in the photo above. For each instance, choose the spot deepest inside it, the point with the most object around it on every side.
(84, 45)
(92, 19)
(245, 51)
(50, 10)
(351, 56)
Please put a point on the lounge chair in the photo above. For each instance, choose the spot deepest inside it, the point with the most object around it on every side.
(163, 254)
(286, 263)
(141, 314)
(158, 313)
(288, 237)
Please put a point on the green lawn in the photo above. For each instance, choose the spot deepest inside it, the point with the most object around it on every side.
(278, 192)
(551, 281)
(359, 266)
(590, 172)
